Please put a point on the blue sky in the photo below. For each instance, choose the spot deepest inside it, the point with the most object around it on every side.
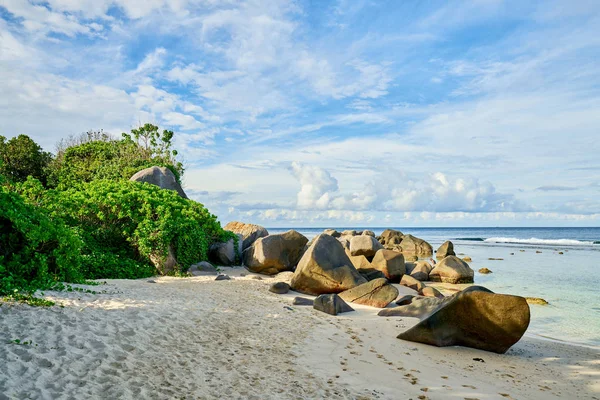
(340, 113)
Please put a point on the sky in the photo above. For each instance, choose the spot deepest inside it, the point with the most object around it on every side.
(344, 113)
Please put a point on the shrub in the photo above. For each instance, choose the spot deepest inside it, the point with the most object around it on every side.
(126, 224)
(35, 251)
(21, 157)
(97, 155)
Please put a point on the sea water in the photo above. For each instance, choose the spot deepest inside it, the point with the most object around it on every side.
(530, 265)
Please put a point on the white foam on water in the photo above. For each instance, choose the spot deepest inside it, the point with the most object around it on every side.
(549, 242)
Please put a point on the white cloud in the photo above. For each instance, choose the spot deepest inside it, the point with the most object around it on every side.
(317, 186)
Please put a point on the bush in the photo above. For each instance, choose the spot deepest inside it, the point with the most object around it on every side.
(124, 225)
(21, 157)
(96, 155)
(35, 251)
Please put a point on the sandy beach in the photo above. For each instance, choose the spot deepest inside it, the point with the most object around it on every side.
(196, 338)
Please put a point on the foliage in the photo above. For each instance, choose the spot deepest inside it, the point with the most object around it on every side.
(97, 155)
(29, 300)
(21, 157)
(124, 225)
(35, 251)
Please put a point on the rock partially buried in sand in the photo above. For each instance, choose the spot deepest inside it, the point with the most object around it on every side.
(404, 300)
(445, 250)
(202, 268)
(452, 270)
(485, 271)
(302, 301)
(222, 277)
(325, 268)
(279, 288)
(390, 263)
(250, 232)
(419, 307)
(475, 317)
(275, 253)
(376, 293)
(412, 283)
(536, 300)
(331, 304)
(431, 292)
(364, 245)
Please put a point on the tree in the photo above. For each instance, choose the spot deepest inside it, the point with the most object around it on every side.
(21, 157)
(97, 155)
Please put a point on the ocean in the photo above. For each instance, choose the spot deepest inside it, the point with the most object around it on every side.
(530, 265)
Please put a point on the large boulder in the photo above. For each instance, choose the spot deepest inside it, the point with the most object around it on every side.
(452, 270)
(275, 253)
(164, 263)
(445, 250)
(413, 246)
(390, 263)
(161, 177)
(417, 307)
(225, 253)
(412, 283)
(325, 268)
(376, 293)
(475, 317)
(331, 304)
(332, 232)
(364, 246)
(421, 270)
(250, 232)
(368, 233)
(390, 237)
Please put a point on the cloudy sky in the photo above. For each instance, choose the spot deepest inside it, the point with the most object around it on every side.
(330, 113)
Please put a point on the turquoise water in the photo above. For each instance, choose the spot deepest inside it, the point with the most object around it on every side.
(569, 282)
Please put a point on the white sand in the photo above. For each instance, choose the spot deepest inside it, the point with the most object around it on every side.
(198, 338)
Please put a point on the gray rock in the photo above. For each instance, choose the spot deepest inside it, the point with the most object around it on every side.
(475, 317)
(376, 293)
(275, 253)
(431, 292)
(452, 270)
(404, 300)
(419, 307)
(222, 277)
(225, 253)
(331, 304)
(412, 283)
(332, 232)
(390, 263)
(301, 301)
(421, 271)
(161, 177)
(203, 268)
(364, 246)
(279, 288)
(250, 232)
(325, 268)
(445, 250)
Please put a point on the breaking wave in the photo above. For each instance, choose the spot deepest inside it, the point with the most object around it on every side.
(548, 242)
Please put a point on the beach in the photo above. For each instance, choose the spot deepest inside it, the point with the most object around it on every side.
(197, 338)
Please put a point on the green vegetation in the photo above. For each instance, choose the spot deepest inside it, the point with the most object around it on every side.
(78, 217)
(21, 157)
(96, 155)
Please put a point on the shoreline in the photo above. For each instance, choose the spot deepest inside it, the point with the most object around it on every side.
(212, 339)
